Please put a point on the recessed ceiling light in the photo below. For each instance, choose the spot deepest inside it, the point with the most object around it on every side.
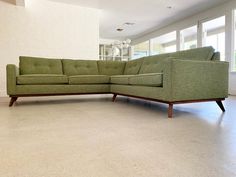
(119, 29)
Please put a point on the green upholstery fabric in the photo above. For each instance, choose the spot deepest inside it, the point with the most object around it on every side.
(152, 79)
(111, 67)
(203, 54)
(35, 65)
(120, 79)
(216, 56)
(193, 80)
(187, 75)
(62, 89)
(79, 67)
(133, 66)
(12, 73)
(140, 91)
(153, 64)
(41, 79)
(159, 93)
(89, 79)
(184, 80)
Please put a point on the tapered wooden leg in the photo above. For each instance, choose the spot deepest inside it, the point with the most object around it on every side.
(170, 110)
(12, 101)
(221, 105)
(114, 97)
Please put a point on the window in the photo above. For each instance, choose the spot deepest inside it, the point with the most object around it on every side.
(188, 38)
(141, 50)
(234, 61)
(164, 44)
(214, 35)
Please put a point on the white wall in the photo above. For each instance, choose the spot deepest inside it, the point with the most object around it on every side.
(47, 29)
(223, 9)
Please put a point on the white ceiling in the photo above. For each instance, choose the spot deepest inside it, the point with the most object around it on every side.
(146, 14)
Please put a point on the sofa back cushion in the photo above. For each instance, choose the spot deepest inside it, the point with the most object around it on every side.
(79, 67)
(111, 67)
(203, 54)
(153, 64)
(36, 65)
(216, 56)
(133, 66)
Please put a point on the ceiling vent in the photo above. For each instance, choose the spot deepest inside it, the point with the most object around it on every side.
(129, 23)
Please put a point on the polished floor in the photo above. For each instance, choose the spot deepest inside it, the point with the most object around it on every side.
(90, 136)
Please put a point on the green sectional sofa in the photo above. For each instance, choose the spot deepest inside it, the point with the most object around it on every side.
(181, 77)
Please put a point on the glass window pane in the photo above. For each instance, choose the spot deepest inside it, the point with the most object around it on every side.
(164, 44)
(141, 50)
(214, 35)
(188, 38)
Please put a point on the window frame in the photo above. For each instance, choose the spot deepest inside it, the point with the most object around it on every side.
(230, 33)
(210, 19)
(163, 34)
(148, 49)
(182, 29)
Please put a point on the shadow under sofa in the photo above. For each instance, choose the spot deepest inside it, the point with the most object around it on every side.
(194, 75)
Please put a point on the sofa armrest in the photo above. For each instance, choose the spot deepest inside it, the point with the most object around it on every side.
(12, 73)
(194, 80)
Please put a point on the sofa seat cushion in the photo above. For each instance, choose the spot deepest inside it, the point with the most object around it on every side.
(41, 79)
(89, 79)
(120, 79)
(151, 79)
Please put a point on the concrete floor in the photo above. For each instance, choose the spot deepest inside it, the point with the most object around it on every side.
(89, 136)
